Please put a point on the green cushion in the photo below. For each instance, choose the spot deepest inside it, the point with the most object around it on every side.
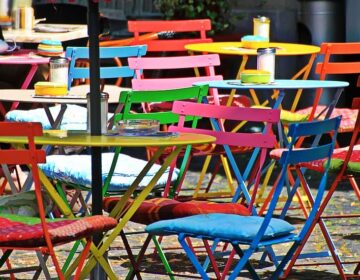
(24, 203)
(288, 116)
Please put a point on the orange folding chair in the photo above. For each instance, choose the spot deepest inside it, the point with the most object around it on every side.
(186, 32)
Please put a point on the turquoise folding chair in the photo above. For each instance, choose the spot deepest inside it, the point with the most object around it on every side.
(256, 233)
(74, 117)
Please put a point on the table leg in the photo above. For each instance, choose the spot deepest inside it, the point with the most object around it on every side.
(118, 210)
(25, 84)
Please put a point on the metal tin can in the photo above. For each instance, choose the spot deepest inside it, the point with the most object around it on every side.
(104, 97)
(262, 26)
(266, 61)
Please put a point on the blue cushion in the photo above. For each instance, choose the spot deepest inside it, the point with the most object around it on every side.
(75, 117)
(76, 169)
(228, 227)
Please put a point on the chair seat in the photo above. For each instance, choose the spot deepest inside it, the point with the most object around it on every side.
(156, 209)
(75, 117)
(337, 160)
(227, 227)
(19, 234)
(348, 119)
(76, 169)
(239, 101)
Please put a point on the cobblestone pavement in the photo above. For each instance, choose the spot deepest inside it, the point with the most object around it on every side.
(345, 233)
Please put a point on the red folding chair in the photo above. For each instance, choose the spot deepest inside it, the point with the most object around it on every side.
(41, 235)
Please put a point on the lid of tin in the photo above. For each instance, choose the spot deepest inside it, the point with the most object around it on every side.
(59, 60)
(263, 19)
(102, 95)
(266, 50)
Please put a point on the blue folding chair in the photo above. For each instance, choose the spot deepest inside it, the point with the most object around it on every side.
(74, 117)
(254, 232)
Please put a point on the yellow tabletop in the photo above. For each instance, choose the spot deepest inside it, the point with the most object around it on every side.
(236, 48)
(84, 139)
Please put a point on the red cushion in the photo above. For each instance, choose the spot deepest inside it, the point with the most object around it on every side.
(156, 209)
(348, 119)
(17, 234)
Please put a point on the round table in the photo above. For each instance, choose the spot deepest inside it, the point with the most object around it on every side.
(77, 138)
(282, 49)
(77, 96)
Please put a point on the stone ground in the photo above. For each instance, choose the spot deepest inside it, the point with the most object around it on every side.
(345, 233)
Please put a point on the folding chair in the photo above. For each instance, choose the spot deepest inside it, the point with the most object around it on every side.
(338, 59)
(255, 232)
(39, 234)
(172, 65)
(242, 203)
(74, 117)
(344, 164)
(186, 32)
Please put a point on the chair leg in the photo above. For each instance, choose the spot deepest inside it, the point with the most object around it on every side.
(244, 261)
(139, 258)
(163, 258)
(355, 187)
(192, 257)
(133, 262)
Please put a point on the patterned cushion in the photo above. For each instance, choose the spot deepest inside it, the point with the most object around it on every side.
(348, 116)
(156, 209)
(76, 169)
(228, 227)
(337, 160)
(24, 203)
(18, 234)
(75, 117)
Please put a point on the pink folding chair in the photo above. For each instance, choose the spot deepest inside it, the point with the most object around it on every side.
(205, 64)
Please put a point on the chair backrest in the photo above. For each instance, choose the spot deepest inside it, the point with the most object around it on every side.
(29, 155)
(295, 158)
(216, 114)
(81, 54)
(336, 61)
(197, 29)
(172, 66)
(131, 99)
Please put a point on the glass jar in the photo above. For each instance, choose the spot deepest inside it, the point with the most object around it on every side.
(266, 61)
(59, 70)
(262, 26)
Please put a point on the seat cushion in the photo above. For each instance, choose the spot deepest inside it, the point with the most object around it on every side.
(288, 117)
(24, 203)
(336, 163)
(20, 234)
(156, 209)
(75, 117)
(348, 119)
(227, 227)
(76, 169)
